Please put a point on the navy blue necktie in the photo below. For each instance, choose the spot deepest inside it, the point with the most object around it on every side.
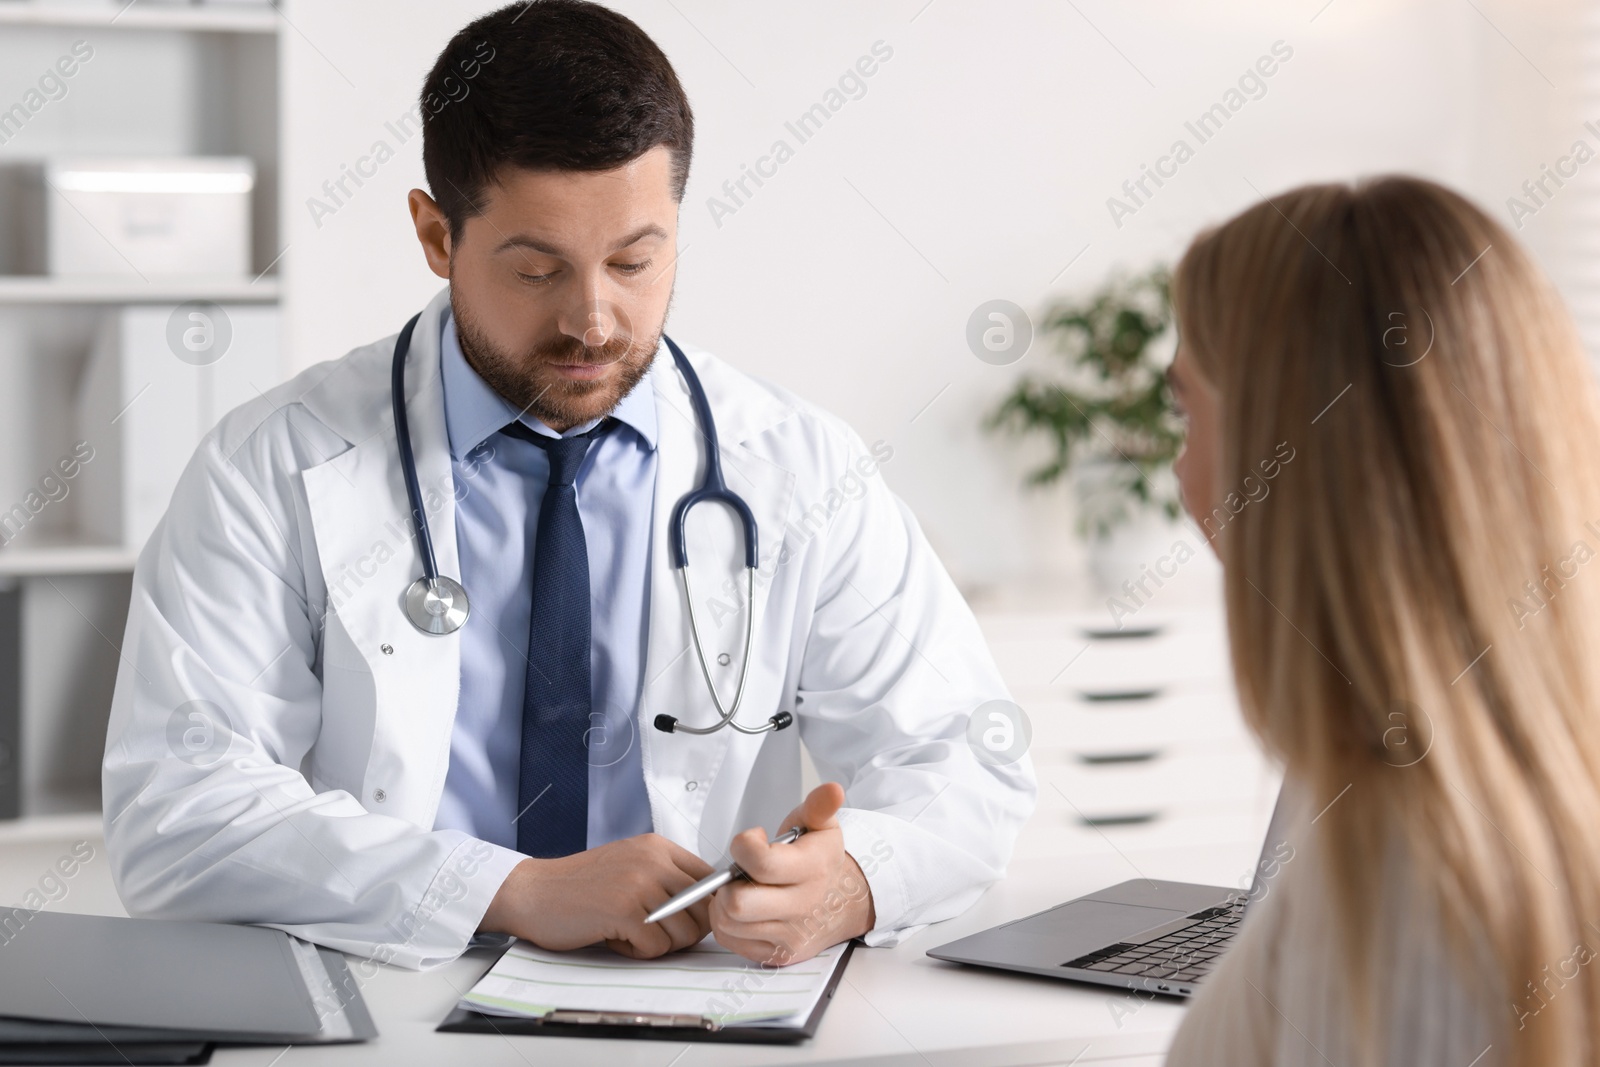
(553, 778)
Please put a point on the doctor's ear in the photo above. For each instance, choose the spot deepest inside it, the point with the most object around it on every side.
(433, 231)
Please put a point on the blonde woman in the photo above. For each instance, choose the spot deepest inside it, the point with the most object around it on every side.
(1413, 621)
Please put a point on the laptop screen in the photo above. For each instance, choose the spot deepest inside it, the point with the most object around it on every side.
(1276, 851)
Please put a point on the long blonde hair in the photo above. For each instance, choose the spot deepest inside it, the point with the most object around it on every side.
(1412, 614)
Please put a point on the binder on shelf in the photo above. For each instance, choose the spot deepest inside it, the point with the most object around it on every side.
(158, 379)
(10, 699)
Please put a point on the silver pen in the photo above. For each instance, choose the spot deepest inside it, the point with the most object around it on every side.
(713, 882)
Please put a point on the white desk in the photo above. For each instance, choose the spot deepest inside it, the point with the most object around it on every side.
(1204, 779)
(892, 1002)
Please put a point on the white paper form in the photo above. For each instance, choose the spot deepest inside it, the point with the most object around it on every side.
(705, 980)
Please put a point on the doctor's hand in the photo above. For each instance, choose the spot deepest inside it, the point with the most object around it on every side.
(802, 897)
(603, 894)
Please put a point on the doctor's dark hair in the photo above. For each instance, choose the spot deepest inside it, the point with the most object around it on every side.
(547, 85)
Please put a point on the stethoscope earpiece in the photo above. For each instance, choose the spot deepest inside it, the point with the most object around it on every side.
(668, 724)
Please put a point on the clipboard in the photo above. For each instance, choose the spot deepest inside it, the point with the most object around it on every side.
(618, 1025)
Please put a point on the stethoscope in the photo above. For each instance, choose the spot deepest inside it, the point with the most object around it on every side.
(438, 605)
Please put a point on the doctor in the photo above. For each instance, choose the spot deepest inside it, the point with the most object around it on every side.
(306, 736)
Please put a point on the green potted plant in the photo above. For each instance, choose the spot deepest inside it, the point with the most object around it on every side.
(1103, 405)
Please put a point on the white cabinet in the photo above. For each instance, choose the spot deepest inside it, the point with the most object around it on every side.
(1137, 737)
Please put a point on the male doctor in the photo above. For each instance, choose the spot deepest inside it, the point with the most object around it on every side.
(286, 747)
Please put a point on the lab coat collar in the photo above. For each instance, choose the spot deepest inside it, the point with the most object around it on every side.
(344, 398)
(359, 514)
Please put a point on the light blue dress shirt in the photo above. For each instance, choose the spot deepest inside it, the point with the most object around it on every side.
(500, 483)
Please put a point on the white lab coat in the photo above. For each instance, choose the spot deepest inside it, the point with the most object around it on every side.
(280, 732)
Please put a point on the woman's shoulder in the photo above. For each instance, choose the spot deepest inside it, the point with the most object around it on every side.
(1280, 995)
(1232, 1019)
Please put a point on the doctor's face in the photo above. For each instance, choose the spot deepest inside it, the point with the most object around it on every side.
(560, 286)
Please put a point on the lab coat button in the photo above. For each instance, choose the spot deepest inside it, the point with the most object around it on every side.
(691, 785)
(379, 795)
(724, 659)
(388, 649)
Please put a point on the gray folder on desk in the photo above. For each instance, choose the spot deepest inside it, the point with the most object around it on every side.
(67, 979)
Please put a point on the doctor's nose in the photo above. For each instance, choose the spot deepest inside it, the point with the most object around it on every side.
(595, 322)
(599, 328)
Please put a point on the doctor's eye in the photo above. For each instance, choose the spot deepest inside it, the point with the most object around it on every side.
(536, 279)
(635, 268)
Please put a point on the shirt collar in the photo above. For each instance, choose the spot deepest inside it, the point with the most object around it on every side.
(474, 412)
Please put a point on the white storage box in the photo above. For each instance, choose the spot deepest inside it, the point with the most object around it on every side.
(157, 381)
(150, 217)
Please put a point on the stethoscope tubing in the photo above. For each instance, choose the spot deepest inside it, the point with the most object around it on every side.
(408, 464)
(712, 488)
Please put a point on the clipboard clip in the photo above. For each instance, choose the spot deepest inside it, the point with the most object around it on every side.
(628, 1018)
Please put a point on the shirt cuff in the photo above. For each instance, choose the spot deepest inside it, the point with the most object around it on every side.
(448, 915)
(866, 838)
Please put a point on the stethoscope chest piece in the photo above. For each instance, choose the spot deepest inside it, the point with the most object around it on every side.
(437, 605)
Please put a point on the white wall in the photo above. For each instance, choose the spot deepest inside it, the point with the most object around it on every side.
(977, 165)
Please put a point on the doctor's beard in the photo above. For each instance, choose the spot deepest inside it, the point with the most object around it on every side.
(527, 380)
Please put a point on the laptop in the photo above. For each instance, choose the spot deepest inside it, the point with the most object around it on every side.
(1155, 937)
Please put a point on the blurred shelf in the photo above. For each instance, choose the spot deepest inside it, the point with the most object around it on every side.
(66, 559)
(141, 16)
(42, 289)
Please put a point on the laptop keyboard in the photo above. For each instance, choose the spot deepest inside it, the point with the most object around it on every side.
(1185, 955)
